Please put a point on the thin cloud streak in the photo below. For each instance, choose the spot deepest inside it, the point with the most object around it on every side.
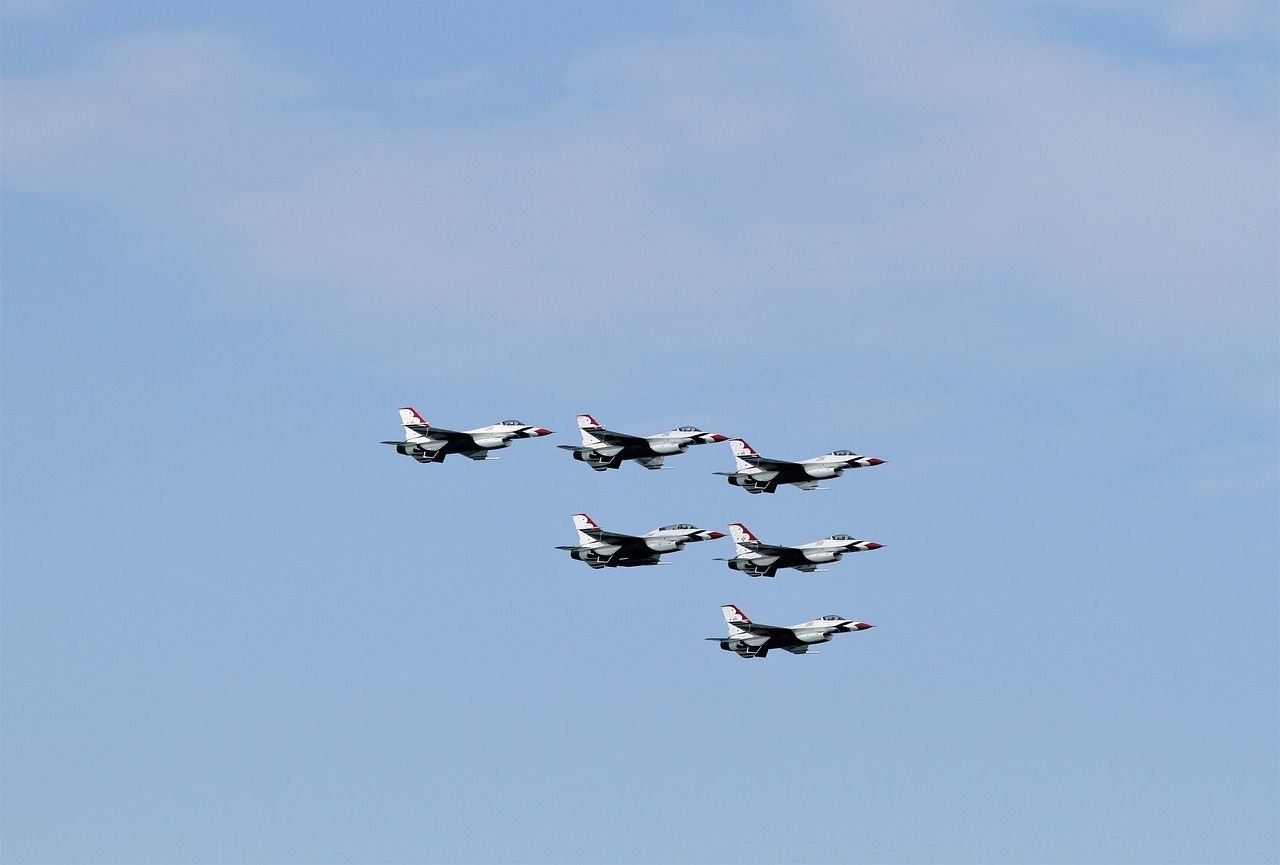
(916, 163)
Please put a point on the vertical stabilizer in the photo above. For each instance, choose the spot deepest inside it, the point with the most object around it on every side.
(409, 415)
(731, 615)
(580, 522)
(741, 536)
(741, 453)
(586, 423)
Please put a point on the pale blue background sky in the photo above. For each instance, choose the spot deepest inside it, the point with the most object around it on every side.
(1026, 253)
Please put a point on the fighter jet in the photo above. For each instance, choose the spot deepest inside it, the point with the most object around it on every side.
(756, 559)
(605, 449)
(429, 444)
(757, 474)
(601, 549)
(754, 641)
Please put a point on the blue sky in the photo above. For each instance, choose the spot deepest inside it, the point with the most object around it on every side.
(1025, 253)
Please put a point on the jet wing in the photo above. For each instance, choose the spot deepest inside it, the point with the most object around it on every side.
(612, 538)
(765, 463)
(771, 465)
(763, 630)
(616, 438)
(650, 462)
(769, 549)
(797, 650)
(441, 434)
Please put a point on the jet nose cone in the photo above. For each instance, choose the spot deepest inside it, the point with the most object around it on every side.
(542, 432)
(716, 437)
(861, 626)
(875, 462)
(712, 536)
(872, 545)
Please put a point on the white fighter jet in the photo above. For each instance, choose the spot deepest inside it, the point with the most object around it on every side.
(757, 559)
(429, 444)
(757, 474)
(605, 449)
(754, 641)
(601, 549)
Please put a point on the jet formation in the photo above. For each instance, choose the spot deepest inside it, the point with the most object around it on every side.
(603, 449)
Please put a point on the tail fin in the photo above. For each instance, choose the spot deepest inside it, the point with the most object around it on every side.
(733, 614)
(580, 522)
(409, 415)
(586, 423)
(742, 449)
(741, 535)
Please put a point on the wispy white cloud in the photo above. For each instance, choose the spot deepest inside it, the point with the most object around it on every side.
(927, 166)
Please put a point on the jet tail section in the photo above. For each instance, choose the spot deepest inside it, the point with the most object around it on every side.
(586, 423)
(409, 415)
(742, 536)
(581, 522)
(733, 614)
(744, 455)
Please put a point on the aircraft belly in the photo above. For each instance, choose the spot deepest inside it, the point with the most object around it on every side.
(783, 641)
(794, 476)
(634, 561)
(638, 450)
(792, 560)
